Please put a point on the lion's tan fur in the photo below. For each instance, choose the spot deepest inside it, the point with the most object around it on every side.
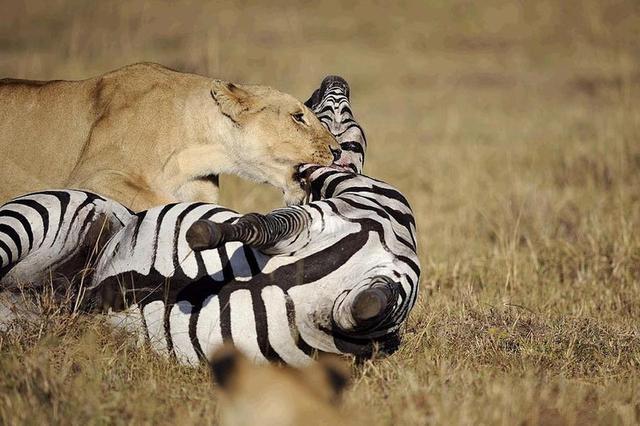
(146, 135)
(271, 395)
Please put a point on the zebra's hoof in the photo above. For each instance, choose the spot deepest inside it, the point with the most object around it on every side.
(203, 235)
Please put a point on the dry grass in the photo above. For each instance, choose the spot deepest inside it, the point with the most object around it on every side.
(513, 128)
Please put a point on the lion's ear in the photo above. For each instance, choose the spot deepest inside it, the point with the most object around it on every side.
(337, 373)
(226, 364)
(232, 100)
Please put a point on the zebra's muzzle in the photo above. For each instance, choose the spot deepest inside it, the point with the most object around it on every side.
(330, 82)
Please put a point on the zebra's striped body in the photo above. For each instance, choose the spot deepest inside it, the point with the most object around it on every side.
(280, 306)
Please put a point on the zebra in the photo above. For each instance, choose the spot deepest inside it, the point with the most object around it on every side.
(339, 274)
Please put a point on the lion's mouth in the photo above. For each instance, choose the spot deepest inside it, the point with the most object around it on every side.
(346, 165)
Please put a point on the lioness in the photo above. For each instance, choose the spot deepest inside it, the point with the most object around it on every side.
(146, 135)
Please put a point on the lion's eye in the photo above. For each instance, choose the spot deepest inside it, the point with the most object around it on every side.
(299, 117)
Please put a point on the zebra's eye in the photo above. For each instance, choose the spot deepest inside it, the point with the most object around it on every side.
(299, 117)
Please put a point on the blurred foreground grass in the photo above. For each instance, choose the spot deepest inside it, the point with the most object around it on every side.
(512, 127)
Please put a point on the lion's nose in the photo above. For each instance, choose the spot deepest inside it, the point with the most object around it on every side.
(337, 152)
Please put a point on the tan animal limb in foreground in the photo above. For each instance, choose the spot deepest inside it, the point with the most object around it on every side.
(269, 395)
(146, 135)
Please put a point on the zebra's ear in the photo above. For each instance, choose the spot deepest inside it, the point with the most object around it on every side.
(313, 101)
(232, 100)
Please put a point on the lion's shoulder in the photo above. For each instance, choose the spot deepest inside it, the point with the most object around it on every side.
(131, 83)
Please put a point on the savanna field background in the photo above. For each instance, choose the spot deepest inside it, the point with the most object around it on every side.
(512, 127)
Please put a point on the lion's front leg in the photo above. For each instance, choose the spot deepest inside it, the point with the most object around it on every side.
(129, 189)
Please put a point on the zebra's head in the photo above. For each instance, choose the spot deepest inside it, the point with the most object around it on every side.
(331, 104)
(356, 248)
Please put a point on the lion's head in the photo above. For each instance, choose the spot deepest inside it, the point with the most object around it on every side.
(252, 394)
(273, 134)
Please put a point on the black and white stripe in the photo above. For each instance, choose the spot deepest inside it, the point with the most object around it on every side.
(332, 106)
(42, 231)
(277, 303)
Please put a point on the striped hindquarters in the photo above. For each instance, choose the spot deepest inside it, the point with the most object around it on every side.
(41, 230)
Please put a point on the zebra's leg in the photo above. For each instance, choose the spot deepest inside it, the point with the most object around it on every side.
(270, 232)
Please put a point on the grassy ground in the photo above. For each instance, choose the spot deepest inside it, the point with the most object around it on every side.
(512, 127)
